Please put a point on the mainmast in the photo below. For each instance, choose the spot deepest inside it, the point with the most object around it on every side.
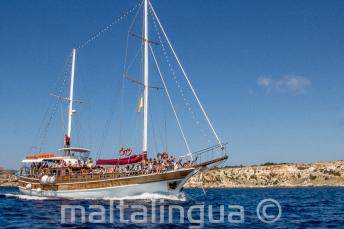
(70, 100)
(146, 87)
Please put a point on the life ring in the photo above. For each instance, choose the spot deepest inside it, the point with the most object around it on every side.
(51, 179)
(44, 179)
(125, 152)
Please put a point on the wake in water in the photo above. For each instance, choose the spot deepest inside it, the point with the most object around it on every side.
(144, 196)
(152, 196)
(24, 197)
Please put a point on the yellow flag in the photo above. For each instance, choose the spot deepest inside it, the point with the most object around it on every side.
(140, 104)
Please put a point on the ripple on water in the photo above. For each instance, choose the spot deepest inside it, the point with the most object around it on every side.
(302, 207)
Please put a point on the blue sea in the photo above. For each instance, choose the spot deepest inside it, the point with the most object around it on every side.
(194, 208)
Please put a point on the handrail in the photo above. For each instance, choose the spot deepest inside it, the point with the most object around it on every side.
(210, 148)
(211, 161)
(113, 175)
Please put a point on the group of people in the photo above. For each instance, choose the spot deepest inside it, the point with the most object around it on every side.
(163, 163)
(73, 163)
(158, 165)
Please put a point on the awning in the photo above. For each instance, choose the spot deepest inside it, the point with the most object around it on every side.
(40, 160)
(40, 155)
(53, 159)
(123, 161)
(32, 160)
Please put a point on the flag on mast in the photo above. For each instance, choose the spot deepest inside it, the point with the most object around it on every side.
(140, 105)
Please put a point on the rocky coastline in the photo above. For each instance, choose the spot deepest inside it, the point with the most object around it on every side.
(8, 178)
(272, 175)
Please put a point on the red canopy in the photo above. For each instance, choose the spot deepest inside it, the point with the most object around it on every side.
(123, 161)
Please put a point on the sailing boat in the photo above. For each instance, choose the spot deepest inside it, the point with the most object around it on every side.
(74, 176)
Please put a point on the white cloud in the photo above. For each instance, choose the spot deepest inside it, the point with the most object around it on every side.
(289, 83)
(264, 81)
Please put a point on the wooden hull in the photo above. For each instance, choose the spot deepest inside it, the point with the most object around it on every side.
(166, 183)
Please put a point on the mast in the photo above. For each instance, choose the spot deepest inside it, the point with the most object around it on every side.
(145, 90)
(71, 94)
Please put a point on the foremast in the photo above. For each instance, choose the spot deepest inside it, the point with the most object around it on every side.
(67, 139)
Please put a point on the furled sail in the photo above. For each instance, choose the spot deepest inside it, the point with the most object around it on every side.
(123, 161)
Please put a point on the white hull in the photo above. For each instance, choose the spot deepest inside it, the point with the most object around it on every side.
(161, 187)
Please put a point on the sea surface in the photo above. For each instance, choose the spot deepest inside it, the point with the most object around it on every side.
(299, 208)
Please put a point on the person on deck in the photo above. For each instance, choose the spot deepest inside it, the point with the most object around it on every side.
(66, 141)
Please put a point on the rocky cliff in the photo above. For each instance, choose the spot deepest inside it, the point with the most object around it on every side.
(7, 178)
(272, 175)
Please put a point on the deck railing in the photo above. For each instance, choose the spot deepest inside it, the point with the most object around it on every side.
(77, 174)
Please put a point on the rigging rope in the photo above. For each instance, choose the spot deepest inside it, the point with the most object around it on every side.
(139, 50)
(107, 28)
(39, 134)
(153, 131)
(63, 126)
(43, 132)
(181, 90)
(170, 100)
(54, 107)
(112, 111)
(186, 76)
(127, 41)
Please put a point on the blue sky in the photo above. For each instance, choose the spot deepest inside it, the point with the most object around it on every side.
(270, 75)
